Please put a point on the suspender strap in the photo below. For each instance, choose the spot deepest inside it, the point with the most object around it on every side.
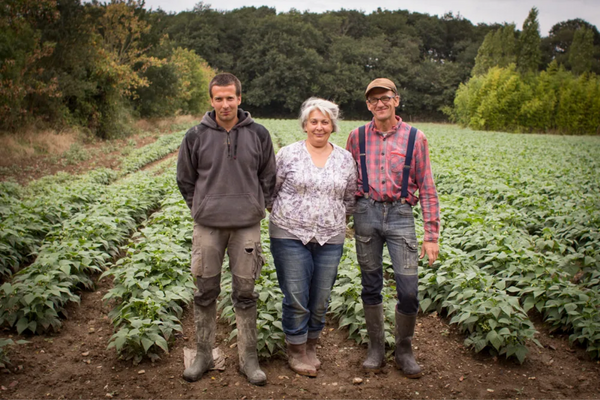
(408, 161)
(363, 160)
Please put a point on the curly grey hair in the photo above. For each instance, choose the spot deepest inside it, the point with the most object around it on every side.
(326, 107)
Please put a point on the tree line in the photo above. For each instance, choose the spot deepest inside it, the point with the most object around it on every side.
(98, 65)
(508, 92)
(93, 65)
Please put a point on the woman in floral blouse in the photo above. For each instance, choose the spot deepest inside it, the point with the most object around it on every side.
(316, 184)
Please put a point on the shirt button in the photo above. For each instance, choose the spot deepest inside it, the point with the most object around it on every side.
(382, 153)
(382, 168)
(383, 181)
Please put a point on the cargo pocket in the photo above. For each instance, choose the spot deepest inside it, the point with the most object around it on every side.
(259, 262)
(363, 250)
(254, 250)
(411, 258)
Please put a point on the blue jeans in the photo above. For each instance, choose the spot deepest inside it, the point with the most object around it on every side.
(306, 274)
(376, 223)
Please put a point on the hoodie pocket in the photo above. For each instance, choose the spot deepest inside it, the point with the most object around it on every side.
(229, 210)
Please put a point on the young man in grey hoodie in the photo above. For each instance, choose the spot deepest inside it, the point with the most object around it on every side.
(226, 173)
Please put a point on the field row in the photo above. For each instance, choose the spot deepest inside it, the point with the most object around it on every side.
(28, 215)
(518, 236)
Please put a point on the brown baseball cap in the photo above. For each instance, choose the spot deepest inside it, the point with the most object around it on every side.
(383, 83)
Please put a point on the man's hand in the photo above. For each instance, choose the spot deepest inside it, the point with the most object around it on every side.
(432, 249)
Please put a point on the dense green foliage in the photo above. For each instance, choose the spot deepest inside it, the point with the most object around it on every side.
(582, 51)
(152, 282)
(554, 100)
(282, 59)
(29, 214)
(75, 248)
(497, 50)
(508, 93)
(98, 64)
(557, 45)
(523, 212)
(64, 62)
(528, 46)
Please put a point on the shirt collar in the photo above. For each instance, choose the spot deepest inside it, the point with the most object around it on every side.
(394, 129)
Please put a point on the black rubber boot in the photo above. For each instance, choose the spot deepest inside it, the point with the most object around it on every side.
(246, 326)
(375, 327)
(405, 360)
(206, 323)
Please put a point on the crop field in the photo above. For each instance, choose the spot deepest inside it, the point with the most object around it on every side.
(519, 247)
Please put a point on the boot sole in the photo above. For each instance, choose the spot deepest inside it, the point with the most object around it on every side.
(259, 383)
(195, 379)
(410, 376)
(374, 370)
(256, 383)
(304, 373)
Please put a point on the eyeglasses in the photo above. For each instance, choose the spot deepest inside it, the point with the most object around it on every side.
(384, 99)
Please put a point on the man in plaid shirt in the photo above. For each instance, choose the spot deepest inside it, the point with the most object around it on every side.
(382, 216)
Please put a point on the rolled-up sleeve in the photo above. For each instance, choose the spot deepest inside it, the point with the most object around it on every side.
(428, 196)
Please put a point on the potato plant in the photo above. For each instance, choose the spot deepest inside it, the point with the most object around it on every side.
(80, 246)
(28, 214)
(153, 282)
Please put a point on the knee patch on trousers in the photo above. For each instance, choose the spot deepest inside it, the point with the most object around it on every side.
(208, 290)
(243, 294)
(407, 289)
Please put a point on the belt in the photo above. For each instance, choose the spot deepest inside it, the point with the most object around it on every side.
(393, 202)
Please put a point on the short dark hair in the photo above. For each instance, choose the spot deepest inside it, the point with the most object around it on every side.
(225, 79)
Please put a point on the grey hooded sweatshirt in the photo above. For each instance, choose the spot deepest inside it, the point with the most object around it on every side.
(227, 178)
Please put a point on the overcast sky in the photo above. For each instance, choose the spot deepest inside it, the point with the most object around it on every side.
(477, 11)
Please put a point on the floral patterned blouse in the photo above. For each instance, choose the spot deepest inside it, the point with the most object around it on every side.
(312, 202)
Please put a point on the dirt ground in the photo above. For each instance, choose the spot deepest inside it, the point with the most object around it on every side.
(75, 364)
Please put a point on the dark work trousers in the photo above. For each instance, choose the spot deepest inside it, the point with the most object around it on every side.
(376, 223)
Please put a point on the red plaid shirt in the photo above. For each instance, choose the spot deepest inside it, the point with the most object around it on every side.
(385, 154)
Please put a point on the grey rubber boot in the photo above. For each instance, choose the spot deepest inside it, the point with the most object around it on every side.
(246, 342)
(311, 352)
(298, 360)
(405, 360)
(206, 324)
(375, 328)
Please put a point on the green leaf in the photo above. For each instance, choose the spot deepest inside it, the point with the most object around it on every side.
(119, 342)
(29, 298)
(494, 339)
(521, 353)
(162, 343)
(425, 303)
(147, 343)
(464, 316)
(22, 325)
